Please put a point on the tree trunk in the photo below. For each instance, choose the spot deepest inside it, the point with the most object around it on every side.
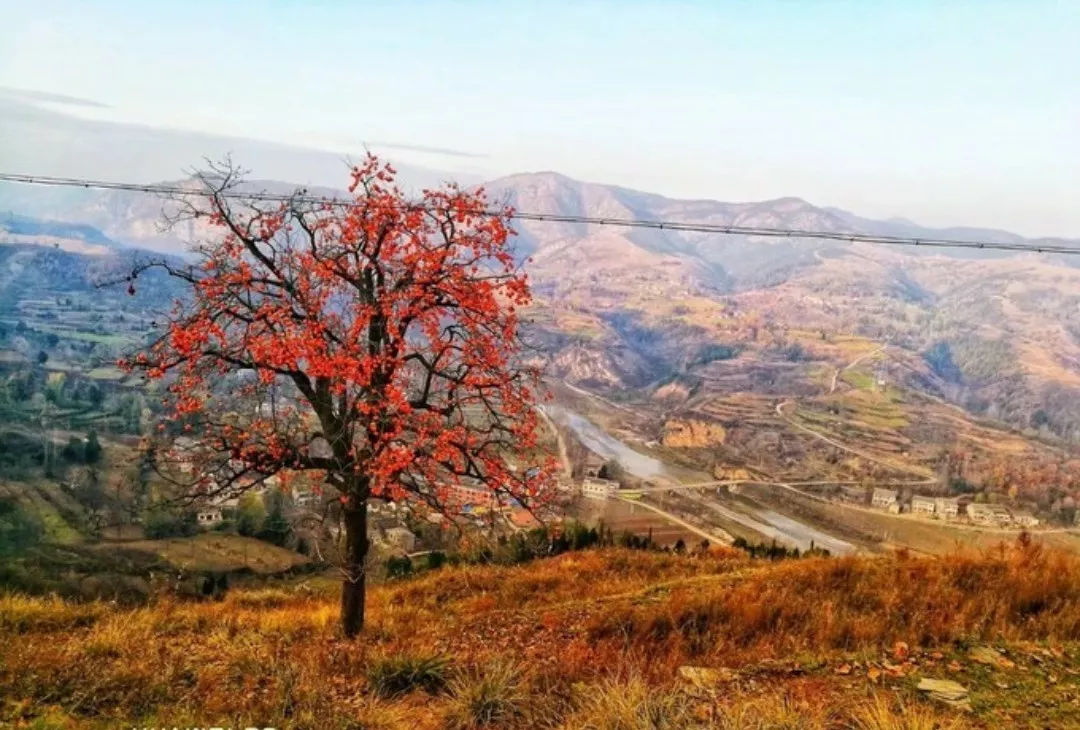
(353, 586)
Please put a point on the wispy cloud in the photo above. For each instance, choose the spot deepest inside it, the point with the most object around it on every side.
(35, 95)
(428, 150)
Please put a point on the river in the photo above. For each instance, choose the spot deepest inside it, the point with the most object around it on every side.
(604, 444)
(766, 522)
(781, 528)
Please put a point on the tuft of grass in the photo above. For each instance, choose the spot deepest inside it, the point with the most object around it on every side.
(492, 696)
(400, 674)
(632, 704)
(880, 714)
(773, 714)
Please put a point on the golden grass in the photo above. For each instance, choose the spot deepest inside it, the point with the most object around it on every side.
(585, 640)
(219, 551)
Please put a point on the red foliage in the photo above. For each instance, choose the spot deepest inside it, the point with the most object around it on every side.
(382, 336)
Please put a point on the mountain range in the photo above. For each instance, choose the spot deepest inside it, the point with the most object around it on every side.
(624, 309)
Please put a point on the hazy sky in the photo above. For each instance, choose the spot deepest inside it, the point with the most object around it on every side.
(944, 111)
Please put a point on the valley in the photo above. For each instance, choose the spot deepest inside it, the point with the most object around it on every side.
(754, 364)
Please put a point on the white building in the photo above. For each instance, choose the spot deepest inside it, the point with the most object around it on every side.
(886, 499)
(947, 508)
(1025, 519)
(923, 505)
(207, 517)
(989, 514)
(596, 488)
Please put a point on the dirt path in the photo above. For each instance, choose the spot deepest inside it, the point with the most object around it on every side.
(600, 398)
(564, 457)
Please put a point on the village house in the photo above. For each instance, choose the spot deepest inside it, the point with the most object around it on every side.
(596, 488)
(921, 505)
(1025, 519)
(207, 517)
(308, 499)
(886, 499)
(949, 508)
(988, 514)
(523, 519)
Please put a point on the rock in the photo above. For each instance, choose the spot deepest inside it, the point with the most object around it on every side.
(692, 434)
(947, 691)
(991, 657)
(705, 678)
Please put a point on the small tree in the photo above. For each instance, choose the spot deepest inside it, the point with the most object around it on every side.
(381, 341)
(19, 530)
(275, 528)
(75, 450)
(251, 515)
(92, 448)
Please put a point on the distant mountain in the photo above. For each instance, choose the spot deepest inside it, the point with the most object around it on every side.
(629, 308)
(20, 225)
(75, 237)
(128, 217)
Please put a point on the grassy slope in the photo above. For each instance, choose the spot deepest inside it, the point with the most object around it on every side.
(573, 642)
(216, 551)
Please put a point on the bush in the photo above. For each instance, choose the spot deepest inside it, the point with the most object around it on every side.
(398, 567)
(19, 530)
(435, 560)
(161, 524)
(394, 676)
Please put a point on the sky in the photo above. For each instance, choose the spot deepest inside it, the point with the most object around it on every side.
(947, 112)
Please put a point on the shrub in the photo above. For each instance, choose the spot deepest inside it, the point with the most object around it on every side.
(435, 560)
(398, 567)
(161, 524)
(392, 676)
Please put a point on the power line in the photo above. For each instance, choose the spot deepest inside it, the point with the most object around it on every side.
(1048, 247)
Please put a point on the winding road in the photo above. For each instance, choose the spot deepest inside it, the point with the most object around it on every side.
(861, 454)
(853, 363)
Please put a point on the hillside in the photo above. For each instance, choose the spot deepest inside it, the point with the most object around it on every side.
(623, 309)
(605, 639)
(626, 310)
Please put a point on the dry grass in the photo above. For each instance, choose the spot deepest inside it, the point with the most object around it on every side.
(219, 551)
(586, 640)
(881, 714)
